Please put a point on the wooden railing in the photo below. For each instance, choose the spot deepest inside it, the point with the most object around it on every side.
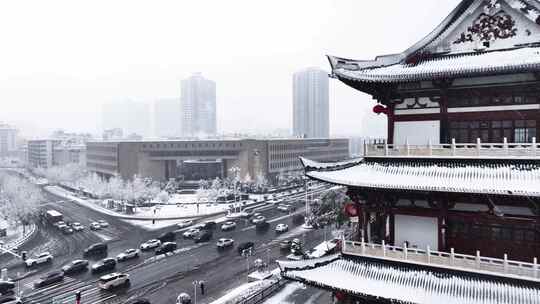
(449, 260)
(477, 149)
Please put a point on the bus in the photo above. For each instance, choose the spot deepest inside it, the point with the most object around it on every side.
(54, 216)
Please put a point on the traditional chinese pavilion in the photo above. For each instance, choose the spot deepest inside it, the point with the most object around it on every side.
(461, 166)
(460, 170)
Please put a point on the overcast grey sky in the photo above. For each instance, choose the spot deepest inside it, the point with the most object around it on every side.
(61, 60)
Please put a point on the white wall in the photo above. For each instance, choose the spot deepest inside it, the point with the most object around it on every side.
(418, 132)
(419, 231)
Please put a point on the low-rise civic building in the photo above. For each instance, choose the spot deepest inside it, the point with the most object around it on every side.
(162, 160)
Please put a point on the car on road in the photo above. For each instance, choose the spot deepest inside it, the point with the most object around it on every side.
(203, 236)
(286, 208)
(77, 226)
(191, 233)
(113, 280)
(75, 266)
(184, 224)
(167, 237)
(258, 219)
(96, 249)
(103, 224)
(95, 226)
(59, 224)
(280, 228)
(10, 300)
(166, 247)
(138, 301)
(150, 244)
(66, 230)
(104, 265)
(262, 226)
(128, 254)
(209, 225)
(285, 245)
(224, 243)
(49, 278)
(42, 258)
(243, 248)
(6, 287)
(228, 226)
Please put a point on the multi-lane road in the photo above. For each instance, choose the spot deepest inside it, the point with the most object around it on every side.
(162, 280)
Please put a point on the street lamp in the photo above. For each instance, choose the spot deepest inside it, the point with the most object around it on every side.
(195, 285)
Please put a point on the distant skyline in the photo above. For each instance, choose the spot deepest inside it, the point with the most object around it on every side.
(62, 61)
(310, 103)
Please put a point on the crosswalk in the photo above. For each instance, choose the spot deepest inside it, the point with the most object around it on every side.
(64, 293)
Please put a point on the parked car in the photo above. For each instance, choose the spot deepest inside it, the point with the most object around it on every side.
(203, 236)
(113, 280)
(6, 287)
(60, 224)
(167, 237)
(228, 226)
(285, 244)
(96, 249)
(224, 243)
(44, 257)
(12, 299)
(104, 265)
(184, 224)
(103, 224)
(244, 247)
(258, 219)
(75, 266)
(128, 254)
(77, 226)
(150, 244)
(49, 278)
(191, 233)
(166, 247)
(95, 226)
(280, 228)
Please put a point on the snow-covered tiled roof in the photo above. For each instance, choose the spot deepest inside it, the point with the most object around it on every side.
(378, 280)
(453, 66)
(520, 178)
(322, 166)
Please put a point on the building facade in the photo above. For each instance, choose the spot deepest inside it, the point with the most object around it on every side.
(310, 104)
(41, 151)
(198, 102)
(165, 159)
(65, 154)
(8, 140)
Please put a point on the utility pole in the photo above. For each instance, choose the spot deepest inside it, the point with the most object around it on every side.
(195, 283)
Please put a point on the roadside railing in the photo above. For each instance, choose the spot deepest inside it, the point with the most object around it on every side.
(477, 149)
(263, 294)
(451, 260)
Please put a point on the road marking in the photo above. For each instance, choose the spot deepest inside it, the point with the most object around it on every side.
(104, 299)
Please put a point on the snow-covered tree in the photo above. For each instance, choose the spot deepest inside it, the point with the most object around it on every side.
(163, 197)
(19, 200)
(333, 201)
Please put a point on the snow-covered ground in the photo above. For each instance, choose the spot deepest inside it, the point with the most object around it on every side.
(243, 291)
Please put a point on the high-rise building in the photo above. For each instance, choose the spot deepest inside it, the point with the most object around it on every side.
(198, 106)
(310, 104)
(8, 140)
(130, 116)
(167, 117)
(40, 152)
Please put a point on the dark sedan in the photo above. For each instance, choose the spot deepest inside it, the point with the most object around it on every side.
(245, 248)
(203, 236)
(104, 265)
(50, 278)
(75, 266)
(6, 287)
(166, 247)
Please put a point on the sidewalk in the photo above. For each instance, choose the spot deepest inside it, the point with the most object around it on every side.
(15, 237)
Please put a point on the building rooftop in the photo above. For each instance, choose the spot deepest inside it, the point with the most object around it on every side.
(376, 280)
(515, 177)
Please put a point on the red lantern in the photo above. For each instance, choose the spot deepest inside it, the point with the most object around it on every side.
(340, 296)
(351, 210)
(380, 109)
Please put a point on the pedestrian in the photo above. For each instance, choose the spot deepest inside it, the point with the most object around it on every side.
(201, 284)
